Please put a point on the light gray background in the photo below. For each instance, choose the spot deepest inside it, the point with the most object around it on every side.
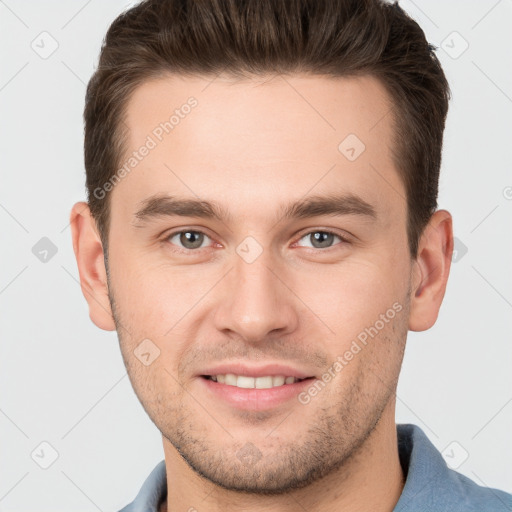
(62, 379)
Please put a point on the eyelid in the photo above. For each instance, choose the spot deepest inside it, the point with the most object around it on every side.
(168, 235)
(345, 239)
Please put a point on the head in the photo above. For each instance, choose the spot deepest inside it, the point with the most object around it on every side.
(262, 189)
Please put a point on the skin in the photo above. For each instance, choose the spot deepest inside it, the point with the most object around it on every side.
(254, 145)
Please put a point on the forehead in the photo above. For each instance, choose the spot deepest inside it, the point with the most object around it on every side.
(281, 135)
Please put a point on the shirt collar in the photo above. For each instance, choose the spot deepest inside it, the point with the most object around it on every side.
(429, 483)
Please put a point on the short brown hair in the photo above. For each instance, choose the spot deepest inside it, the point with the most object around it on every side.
(255, 37)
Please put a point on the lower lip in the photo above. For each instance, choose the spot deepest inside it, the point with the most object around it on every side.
(255, 399)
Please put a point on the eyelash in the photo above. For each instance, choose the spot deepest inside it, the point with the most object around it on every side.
(167, 238)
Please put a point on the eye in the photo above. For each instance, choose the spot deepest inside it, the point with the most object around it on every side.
(187, 239)
(321, 239)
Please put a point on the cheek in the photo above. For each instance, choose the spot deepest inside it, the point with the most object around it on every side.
(152, 296)
(363, 305)
(352, 295)
(159, 300)
(161, 304)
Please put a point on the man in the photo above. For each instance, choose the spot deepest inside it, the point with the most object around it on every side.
(262, 231)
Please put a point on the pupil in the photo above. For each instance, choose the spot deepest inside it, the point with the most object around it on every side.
(322, 239)
(191, 239)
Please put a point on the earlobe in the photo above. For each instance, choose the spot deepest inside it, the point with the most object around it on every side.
(91, 265)
(431, 271)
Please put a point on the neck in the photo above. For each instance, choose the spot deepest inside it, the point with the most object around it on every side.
(371, 480)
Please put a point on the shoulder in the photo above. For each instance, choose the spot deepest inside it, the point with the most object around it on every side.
(432, 486)
(152, 492)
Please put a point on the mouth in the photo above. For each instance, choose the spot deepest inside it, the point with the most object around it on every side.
(250, 387)
(248, 382)
(254, 393)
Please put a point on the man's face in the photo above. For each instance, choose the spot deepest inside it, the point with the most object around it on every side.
(256, 287)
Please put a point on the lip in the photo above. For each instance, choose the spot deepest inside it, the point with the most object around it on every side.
(256, 371)
(253, 399)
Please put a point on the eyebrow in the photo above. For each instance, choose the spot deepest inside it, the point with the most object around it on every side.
(163, 205)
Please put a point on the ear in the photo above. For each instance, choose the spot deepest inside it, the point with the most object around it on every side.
(91, 265)
(430, 271)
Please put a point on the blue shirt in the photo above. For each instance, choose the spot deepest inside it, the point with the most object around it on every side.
(430, 486)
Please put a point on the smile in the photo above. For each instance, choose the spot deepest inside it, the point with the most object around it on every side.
(244, 381)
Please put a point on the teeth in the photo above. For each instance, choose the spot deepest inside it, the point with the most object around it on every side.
(242, 381)
(279, 381)
(230, 379)
(263, 383)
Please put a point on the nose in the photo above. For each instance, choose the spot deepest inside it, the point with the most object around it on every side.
(256, 302)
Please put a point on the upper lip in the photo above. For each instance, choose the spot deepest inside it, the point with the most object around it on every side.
(255, 371)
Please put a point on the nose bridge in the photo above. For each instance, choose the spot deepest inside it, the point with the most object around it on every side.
(257, 301)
